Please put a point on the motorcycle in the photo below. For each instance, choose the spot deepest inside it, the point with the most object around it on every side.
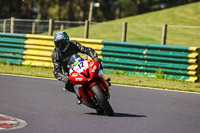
(89, 84)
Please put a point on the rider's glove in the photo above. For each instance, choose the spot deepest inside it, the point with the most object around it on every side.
(65, 79)
(99, 60)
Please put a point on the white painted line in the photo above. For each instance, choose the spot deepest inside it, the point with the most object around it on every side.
(26, 76)
(147, 88)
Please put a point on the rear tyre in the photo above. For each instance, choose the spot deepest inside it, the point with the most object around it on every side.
(101, 98)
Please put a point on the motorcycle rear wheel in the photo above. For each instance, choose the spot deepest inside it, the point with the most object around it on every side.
(101, 98)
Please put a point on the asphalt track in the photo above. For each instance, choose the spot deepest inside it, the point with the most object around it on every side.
(48, 109)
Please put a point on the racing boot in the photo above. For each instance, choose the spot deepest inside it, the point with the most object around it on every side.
(69, 87)
(79, 101)
(65, 89)
(68, 90)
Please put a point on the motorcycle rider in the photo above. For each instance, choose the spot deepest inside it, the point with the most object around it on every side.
(64, 49)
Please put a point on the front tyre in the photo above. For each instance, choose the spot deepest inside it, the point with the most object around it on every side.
(101, 98)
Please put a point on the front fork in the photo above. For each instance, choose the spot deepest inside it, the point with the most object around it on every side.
(76, 89)
(105, 84)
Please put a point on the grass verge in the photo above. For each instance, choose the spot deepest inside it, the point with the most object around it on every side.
(115, 78)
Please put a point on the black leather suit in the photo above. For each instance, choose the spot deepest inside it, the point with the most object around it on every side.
(60, 61)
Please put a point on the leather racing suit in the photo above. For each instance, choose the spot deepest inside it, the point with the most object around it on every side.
(60, 61)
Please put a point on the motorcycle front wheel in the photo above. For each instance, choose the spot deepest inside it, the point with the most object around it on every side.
(102, 100)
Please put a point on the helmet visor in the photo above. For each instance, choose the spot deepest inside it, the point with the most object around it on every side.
(62, 45)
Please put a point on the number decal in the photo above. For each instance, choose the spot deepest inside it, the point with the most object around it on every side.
(80, 65)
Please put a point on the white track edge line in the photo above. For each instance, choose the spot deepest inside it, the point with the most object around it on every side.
(26, 76)
(148, 88)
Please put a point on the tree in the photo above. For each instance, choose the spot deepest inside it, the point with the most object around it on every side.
(9, 8)
(77, 10)
(125, 8)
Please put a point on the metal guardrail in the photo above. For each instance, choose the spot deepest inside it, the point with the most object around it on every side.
(175, 62)
(31, 26)
(34, 50)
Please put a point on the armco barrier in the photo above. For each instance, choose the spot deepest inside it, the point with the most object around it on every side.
(35, 50)
(131, 58)
(151, 60)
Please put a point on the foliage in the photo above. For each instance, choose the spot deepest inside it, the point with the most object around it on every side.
(159, 73)
(78, 9)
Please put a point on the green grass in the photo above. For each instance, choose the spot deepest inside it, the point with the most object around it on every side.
(147, 28)
(115, 78)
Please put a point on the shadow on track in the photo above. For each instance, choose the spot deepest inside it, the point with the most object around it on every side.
(119, 115)
(127, 115)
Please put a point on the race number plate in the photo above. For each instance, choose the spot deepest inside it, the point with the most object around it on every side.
(81, 66)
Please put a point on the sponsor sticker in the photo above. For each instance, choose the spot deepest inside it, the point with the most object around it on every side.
(75, 74)
(91, 64)
(78, 79)
(93, 70)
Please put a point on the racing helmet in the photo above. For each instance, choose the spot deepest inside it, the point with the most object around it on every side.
(61, 41)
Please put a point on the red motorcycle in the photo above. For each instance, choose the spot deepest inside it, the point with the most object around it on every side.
(89, 84)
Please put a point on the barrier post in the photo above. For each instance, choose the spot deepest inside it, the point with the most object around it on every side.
(4, 25)
(164, 34)
(12, 23)
(124, 31)
(51, 27)
(86, 30)
(61, 27)
(33, 27)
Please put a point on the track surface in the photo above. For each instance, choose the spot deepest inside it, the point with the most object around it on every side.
(48, 109)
